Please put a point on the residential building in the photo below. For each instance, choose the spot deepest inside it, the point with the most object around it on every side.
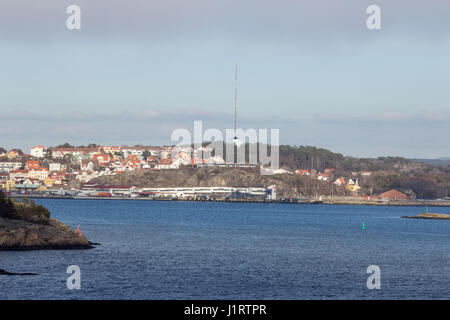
(38, 151)
(340, 182)
(393, 195)
(102, 159)
(8, 166)
(33, 165)
(13, 154)
(18, 174)
(110, 149)
(48, 182)
(167, 164)
(353, 187)
(3, 179)
(40, 174)
(55, 166)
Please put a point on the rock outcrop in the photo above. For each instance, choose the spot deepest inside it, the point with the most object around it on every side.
(430, 215)
(6, 273)
(25, 235)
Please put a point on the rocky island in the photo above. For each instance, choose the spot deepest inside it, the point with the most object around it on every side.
(430, 215)
(27, 226)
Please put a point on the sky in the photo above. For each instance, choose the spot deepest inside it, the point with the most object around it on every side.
(139, 69)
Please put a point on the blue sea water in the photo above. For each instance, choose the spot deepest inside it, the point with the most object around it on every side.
(204, 250)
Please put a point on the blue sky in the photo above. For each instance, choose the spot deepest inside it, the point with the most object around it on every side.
(139, 69)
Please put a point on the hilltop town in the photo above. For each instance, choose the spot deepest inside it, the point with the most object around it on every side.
(150, 171)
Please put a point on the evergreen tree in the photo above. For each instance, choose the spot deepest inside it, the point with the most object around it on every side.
(7, 209)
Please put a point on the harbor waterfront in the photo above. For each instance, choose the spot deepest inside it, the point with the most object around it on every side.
(304, 200)
(212, 250)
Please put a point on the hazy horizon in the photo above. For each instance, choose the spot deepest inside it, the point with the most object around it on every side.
(27, 149)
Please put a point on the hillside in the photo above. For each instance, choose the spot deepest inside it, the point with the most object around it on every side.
(412, 177)
(287, 185)
(419, 178)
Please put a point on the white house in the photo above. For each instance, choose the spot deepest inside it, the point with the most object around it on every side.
(323, 177)
(38, 151)
(18, 174)
(340, 182)
(167, 164)
(38, 174)
(54, 167)
(8, 166)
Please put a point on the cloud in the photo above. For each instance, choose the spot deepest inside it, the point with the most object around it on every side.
(386, 118)
(148, 126)
(247, 22)
(423, 134)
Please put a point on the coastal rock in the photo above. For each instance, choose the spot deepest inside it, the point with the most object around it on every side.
(6, 273)
(430, 215)
(24, 235)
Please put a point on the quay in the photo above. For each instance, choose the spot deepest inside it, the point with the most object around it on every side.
(328, 201)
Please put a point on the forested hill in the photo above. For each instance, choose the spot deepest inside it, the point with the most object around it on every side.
(308, 157)
(423, 179)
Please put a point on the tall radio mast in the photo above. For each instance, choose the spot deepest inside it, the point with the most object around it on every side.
(236, 140)
(235, 97)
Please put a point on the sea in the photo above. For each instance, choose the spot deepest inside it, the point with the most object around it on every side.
(207, 250)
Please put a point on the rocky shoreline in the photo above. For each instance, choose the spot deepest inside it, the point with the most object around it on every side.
(24, 225)
(25, 235)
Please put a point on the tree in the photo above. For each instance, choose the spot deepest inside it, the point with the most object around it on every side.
(65, 145)
(146, 154)
(7, 209)
(119, 154)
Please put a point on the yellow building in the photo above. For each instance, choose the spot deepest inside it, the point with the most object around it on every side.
(12, 154)
(48, 182)
(352, 187)
(42, 188)
(10, 185)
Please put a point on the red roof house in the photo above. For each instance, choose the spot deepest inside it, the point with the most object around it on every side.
(393, 195)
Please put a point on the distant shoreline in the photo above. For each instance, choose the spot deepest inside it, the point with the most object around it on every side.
(410, 203)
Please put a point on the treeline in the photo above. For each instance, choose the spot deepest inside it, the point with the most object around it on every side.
(309, 157)
(26, 210)
(319, 159)
(425, 187)
(68, 145)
